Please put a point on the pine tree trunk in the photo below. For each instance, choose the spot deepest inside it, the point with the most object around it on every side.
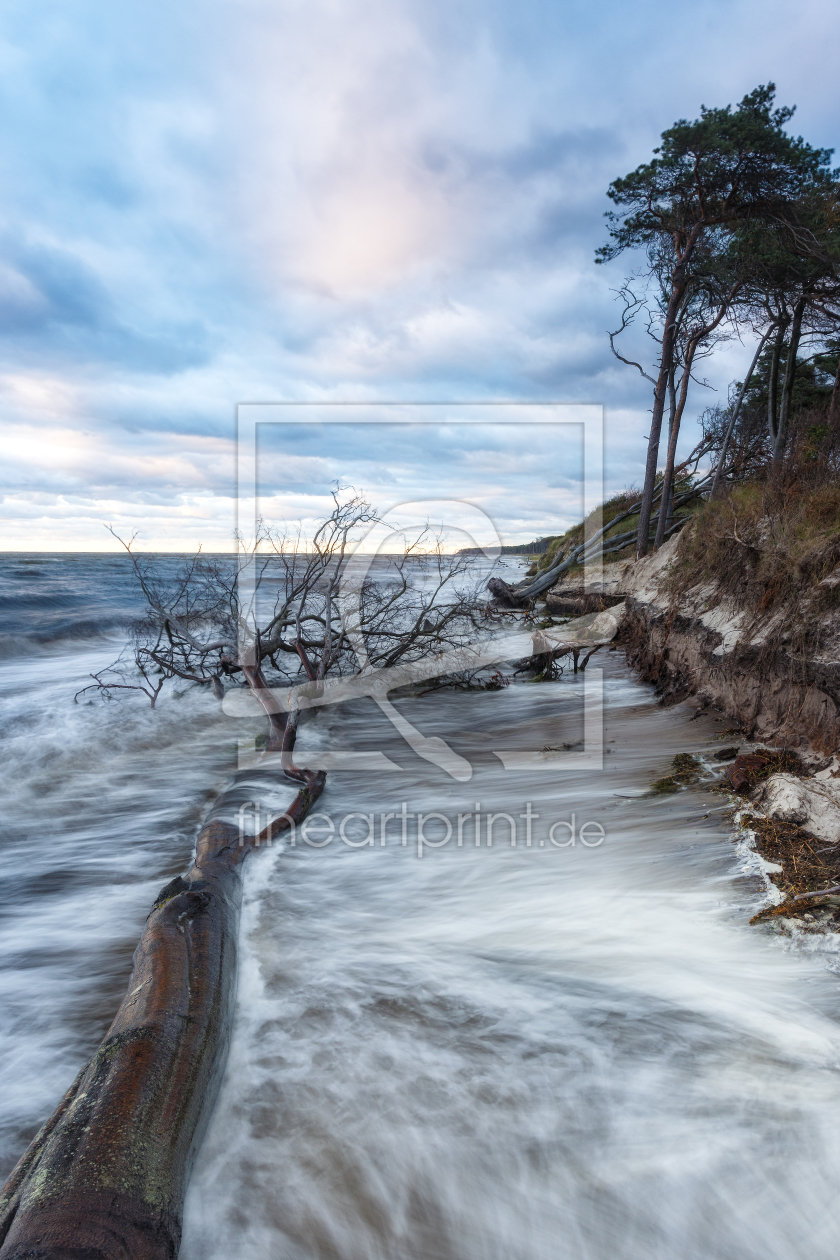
(666, 509)
(659, 396)
(773, 382)
(790, 377)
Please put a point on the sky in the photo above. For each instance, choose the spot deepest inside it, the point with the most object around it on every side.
(477, 474)
(226, 201)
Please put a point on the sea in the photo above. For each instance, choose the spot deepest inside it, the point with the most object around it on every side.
(444, 1048)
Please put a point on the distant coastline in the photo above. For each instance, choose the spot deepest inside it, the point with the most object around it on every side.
(537, 548)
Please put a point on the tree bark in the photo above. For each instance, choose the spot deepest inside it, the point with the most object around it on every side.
(773, 381)
(659, 395)
(666, 510)
(697, 337)
(790, 377)
(256, 680)
(107, 1174)
(672, 419)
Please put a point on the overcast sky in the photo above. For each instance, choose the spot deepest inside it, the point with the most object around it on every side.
(208, 202)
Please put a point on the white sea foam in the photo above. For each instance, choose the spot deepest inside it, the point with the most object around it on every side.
(523, 1052)
(496, 1052)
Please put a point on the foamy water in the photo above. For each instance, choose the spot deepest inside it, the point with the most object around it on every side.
(523, 1051)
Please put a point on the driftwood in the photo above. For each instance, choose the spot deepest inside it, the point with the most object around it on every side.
(803, 901)
(107, 1174)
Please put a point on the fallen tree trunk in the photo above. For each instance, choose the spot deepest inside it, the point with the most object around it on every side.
(520, 594)
(107, 1174)
(572, 603)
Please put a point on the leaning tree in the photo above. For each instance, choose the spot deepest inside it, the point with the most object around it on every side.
(707, 178)
(703, 318)
(800, 261)
(791, 297)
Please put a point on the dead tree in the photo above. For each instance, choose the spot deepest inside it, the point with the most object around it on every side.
(107, 1174)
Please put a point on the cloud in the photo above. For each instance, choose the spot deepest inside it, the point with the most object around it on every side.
(255, 199)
